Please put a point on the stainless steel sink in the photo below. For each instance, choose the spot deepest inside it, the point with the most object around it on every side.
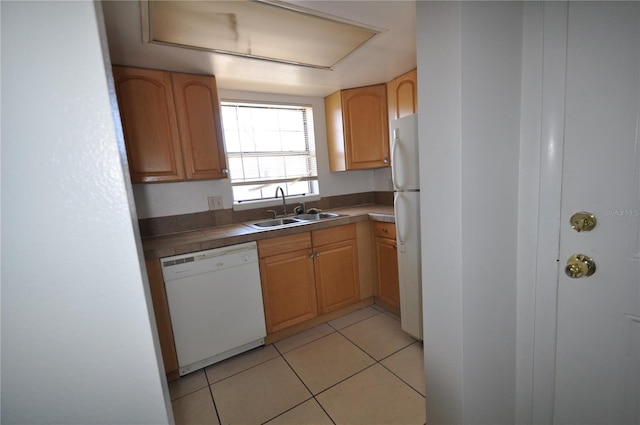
(318, 216)
(276, 223)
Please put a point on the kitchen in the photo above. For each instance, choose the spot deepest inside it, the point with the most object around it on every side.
(86, 207)
(183, 329)
(250, 79)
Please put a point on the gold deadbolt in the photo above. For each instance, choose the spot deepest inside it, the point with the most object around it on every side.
(580, 265)
(583, 221)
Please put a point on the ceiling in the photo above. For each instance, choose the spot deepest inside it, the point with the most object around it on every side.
(383, 57)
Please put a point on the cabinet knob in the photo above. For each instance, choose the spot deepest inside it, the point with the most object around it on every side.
(384, 229)
(225, 171)
(386, 160)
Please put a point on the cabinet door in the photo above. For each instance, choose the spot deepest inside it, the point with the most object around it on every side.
(336, 270)
(402, 95)
(199, 123)
(288, 289)
(387, 260)
(366, 127)
(163, 320)
(147, 111)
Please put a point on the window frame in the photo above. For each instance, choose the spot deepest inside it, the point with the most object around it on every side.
(310, 128)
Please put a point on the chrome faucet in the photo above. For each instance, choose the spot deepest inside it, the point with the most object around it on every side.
(284, 202)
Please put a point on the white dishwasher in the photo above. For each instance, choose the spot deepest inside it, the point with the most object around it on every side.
(215, 303)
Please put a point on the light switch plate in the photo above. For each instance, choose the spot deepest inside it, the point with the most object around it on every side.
(215, 203)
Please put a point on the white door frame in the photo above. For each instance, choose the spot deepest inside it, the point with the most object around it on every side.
(538, 333)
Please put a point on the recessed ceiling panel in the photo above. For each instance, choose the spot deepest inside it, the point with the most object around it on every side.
(256, 29)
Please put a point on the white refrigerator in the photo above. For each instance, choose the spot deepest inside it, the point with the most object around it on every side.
(406, 187)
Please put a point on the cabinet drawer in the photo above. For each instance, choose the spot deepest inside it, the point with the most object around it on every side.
(284, 244)
(333, 234)
(384, 230)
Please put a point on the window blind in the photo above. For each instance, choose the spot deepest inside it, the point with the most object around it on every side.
(267, 146)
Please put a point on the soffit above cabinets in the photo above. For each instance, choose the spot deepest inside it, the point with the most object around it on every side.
(267, 30)
(380, 58)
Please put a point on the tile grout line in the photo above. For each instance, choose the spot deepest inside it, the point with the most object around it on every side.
(281, 354)
(357, 346)
(313, 397)
(190, 392)
(402, 380)
(342, 380)
(375, 361)
(215, 405)
(357, 321)
(380, 361)
(338, 331)
(206, 375)
(334, 331)
(325, 411)
(243, 370)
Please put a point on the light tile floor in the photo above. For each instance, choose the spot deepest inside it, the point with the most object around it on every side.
(360, 368)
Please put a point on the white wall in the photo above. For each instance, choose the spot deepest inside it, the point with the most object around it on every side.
(491, 69)
(469, 61)
(438, 31)
(78, 339)
(163, 199)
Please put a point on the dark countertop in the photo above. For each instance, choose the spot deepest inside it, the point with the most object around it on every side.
(216, 237)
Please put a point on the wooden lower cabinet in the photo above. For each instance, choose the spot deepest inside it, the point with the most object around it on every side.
(163, 320)
(288, 289)
(336, 268)
(288, 282)
(303, 275)
(388, 289)
(301, 279)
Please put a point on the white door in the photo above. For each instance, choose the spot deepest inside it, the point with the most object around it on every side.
(597, 376)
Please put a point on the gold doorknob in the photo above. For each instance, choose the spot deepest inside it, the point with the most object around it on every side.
(583, 221)
(580, 265)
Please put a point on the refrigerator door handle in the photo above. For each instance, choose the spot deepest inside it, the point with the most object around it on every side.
(394, 158)
(397, 206)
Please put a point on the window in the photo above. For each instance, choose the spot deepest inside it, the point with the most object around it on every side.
(269, 146)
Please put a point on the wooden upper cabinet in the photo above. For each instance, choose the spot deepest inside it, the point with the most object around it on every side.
(358, 128)
(402, 95)
(171, 124)
(198, 112)
(149, 123)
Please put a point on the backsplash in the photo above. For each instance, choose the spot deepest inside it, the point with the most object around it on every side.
(201, 220)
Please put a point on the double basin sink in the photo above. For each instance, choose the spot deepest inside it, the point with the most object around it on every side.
(277, 223)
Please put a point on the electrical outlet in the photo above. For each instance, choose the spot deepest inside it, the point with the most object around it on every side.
(215, 203)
